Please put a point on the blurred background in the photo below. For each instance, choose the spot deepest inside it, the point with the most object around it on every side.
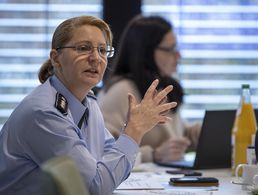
(218, 41)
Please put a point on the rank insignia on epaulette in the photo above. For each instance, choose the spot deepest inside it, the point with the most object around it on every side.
(61, 103)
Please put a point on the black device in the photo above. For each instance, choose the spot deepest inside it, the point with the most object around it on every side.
(194, 181)
(184, 172)
(214, 145)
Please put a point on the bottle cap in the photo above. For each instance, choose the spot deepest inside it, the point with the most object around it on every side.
(245, 86)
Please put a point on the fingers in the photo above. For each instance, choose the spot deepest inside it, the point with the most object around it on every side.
(132, 101)
(165, 112)
(155, 93)
(180, 142)
(166, 107)
(164, 100)
(158, 97)
(164, 119)
(152, 89)
(162, 94)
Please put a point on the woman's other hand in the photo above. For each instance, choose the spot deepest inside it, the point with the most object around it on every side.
(172, 149)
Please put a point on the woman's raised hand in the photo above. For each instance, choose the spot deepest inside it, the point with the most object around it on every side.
(149, 112)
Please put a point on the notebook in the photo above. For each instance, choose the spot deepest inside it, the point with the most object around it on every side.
(214, 145)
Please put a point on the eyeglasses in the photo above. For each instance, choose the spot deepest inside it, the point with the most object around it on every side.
(168, 50)
(87, 48)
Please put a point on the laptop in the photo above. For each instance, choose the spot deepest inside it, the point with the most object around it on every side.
(214, 145)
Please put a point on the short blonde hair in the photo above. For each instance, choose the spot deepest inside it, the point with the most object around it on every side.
(64, 33)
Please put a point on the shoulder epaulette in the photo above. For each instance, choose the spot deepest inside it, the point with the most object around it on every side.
(61, 103)
(91, 95)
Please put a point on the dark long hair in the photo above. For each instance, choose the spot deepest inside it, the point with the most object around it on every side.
(135, 57)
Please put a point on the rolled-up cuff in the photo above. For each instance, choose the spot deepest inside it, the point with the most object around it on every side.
(128, 146)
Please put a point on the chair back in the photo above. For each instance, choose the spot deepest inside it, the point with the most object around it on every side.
(65, 175)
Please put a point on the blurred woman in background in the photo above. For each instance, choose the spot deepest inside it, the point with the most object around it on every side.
(147, 51)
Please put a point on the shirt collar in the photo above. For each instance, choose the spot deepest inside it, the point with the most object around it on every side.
(76, 107)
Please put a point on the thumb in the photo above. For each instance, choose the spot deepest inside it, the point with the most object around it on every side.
(132, 101)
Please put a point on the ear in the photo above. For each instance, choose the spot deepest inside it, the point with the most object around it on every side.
(54, 58)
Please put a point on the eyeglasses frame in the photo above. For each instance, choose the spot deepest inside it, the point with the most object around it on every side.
(111, 51)
(172, 50)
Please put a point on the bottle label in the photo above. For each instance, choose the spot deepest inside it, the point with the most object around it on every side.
(233, 141)
(251, 158)
(253, 140)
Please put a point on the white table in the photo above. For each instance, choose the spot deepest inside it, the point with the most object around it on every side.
(224, 176)
(225, 185)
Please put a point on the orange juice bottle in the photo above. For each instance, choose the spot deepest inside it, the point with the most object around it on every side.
(244, 128)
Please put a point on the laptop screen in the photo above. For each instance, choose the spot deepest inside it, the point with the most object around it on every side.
(214, 145)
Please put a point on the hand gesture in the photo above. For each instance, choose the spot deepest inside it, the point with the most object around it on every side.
(150, 111)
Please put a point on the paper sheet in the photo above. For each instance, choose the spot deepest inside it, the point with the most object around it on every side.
(161, 192)
(140, 181)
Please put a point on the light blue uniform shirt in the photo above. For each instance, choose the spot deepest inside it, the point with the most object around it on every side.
(37, 131)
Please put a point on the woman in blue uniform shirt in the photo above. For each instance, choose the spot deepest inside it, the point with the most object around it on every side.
(61, 116)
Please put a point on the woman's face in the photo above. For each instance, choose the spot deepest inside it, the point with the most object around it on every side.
(166, 55)
(81, 71)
